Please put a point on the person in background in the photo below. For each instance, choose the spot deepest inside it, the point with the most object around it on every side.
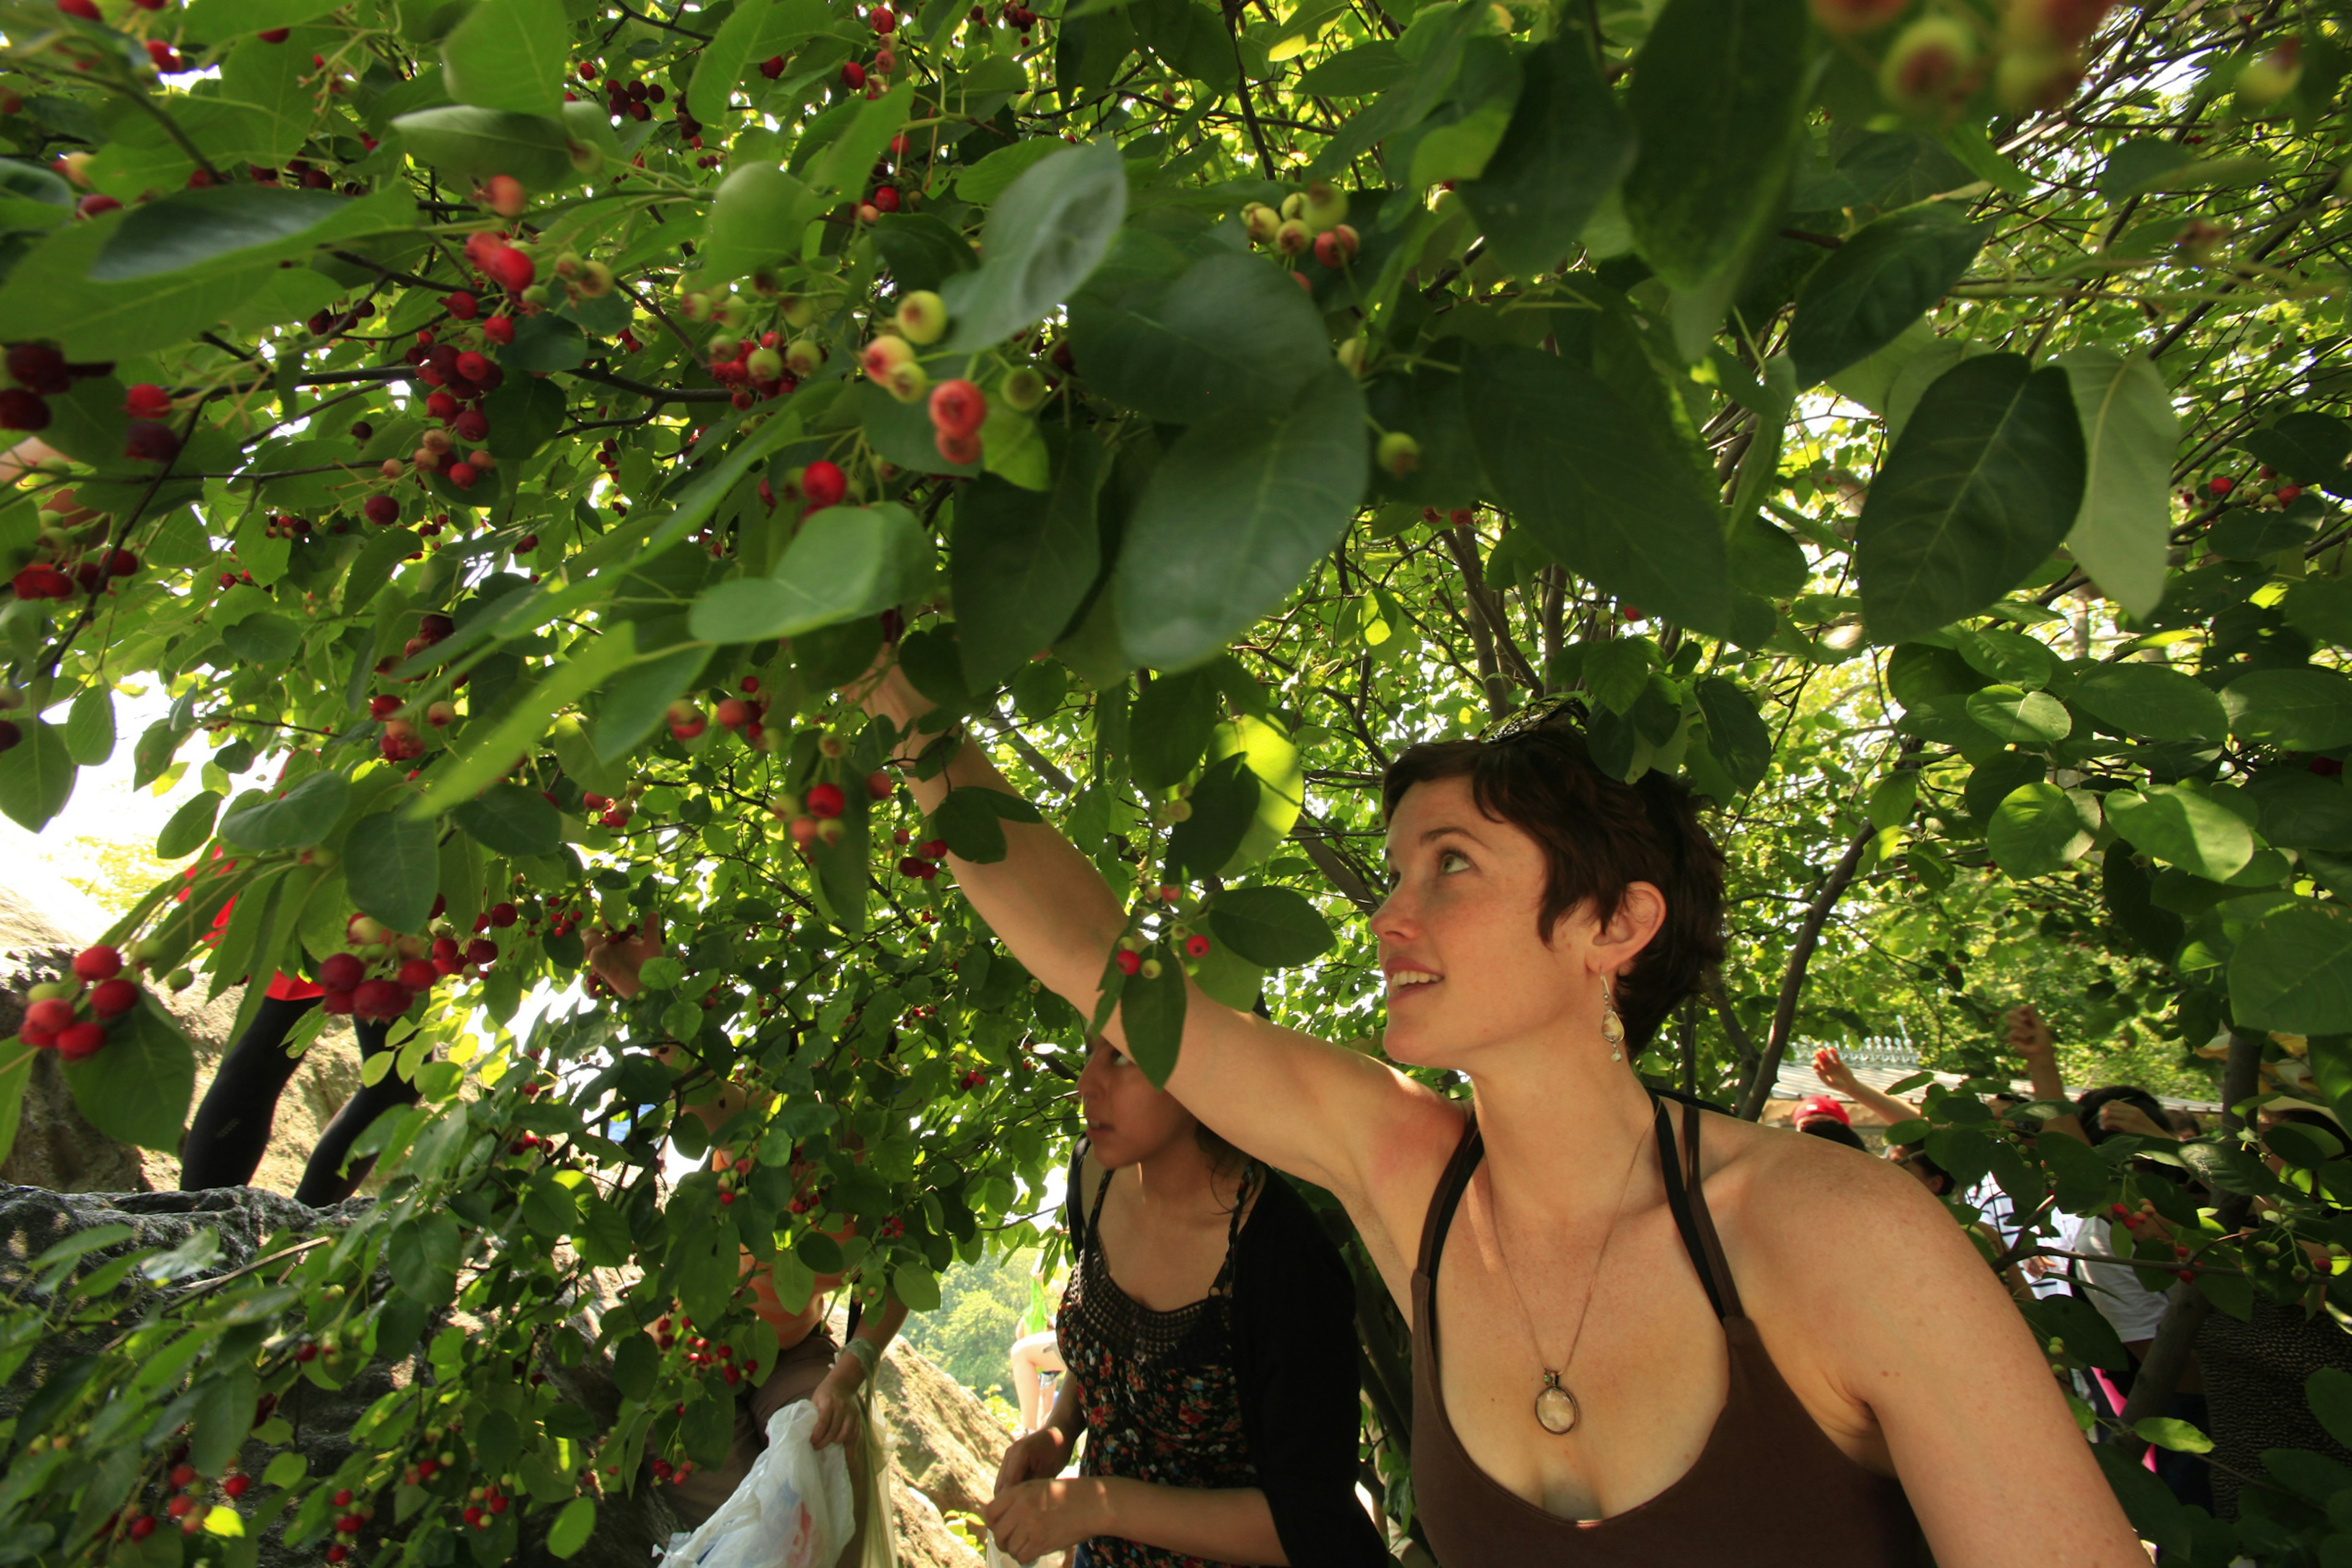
(230, 1130)
(1831, 1069)
(2255, 1370)
(1821, 1116)
(808, 1364)
(1036, 1369)
(1209, 1329)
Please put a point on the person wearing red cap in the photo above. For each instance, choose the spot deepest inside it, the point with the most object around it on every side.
(1824, 1116)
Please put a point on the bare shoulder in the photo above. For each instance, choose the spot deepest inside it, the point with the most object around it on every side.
(1782, 1185)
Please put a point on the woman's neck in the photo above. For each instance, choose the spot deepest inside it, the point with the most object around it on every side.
(1176, 1184)
(1559, 1122)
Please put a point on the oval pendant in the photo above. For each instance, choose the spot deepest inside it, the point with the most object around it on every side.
(1556, 1409)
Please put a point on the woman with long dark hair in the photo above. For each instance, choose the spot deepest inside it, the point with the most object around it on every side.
(1209, 1330)
(1636, 1331)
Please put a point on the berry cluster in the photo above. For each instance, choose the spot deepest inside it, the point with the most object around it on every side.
(396, 971)
(924, 863)
(55, 1012)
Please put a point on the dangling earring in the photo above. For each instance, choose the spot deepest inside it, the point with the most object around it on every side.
(1613, 1027)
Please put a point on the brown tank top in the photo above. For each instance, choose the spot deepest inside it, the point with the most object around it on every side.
(1768, 1490)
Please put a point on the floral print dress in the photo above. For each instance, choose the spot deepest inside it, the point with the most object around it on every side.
(1162, 1404)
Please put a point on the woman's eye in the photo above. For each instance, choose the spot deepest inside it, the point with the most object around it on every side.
(1453, 860)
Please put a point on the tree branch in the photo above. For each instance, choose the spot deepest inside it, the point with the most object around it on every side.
(1758, 1087)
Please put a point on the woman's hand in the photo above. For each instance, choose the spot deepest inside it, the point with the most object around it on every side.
(1038, 1516)
(616, 960)
(1830, 1069)
(2115, 1116)
(838, 1409)
(2029, 1032)
(1040, 1456)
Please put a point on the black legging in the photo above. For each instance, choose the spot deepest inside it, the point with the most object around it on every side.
(232, 1126)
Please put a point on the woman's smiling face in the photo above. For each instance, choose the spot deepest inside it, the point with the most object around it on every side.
(1460, 945)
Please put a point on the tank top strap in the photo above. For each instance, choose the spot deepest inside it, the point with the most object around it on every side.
(1447, 1197)
(1686, 1197)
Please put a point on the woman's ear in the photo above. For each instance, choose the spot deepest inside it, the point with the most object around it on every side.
(1641, 910)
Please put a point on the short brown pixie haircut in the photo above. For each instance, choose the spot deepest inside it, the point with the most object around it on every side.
(1598, 835)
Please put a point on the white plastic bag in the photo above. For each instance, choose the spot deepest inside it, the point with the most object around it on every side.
(795, 1509)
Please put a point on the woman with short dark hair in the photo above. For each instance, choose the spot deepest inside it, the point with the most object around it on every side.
(1632, 1352)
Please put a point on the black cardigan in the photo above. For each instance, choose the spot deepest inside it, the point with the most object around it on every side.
(1297, 1371)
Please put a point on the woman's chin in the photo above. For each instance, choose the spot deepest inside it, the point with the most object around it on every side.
(1413, 1048)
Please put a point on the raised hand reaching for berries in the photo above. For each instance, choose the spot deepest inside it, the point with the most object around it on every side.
(616, 957)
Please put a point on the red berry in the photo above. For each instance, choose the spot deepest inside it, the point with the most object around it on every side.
(463, 305)
(509, 268)
(379, 999)
(149, 441)
(341, 972)
(1129, 963)
(382, 511)
(2221, 484)
(772, 67)
(499, 329)
(502, 915)
(22, 410)
(146, 401)
(38, 368)
(112, 997)
(236, 1486)
(958, 408)
(733, 713)
(417, 974)
(50, 1016)
(824, 483)
(2288, 492)
(86, 10)
(274, 34)
(462, 475)
(878, 784)
(481, 951)
(142, 1527)
(883, 20)
(932, 848)
(83, 1040)
(1196, 946)
(92, 965)
(885, 199)
(826, 800)
(853, 75)
(472, 424)
(960, 450)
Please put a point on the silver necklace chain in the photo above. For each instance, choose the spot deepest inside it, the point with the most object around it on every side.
(1556, 1408)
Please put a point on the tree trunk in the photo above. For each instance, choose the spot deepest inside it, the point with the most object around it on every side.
(1761, 1077)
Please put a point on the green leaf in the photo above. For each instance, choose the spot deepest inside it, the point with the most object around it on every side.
(90, 727)
(2129, 433)
(486, 758)
(137, 1087)
(36, 776)
(266, 638)
(2302, 811)
(572, 1527)
(234, 226)
(2307, 445)
(1601, 484)
(756, 220)
(393, 867)
(1047, 233)
(1235, 514)
(968, 820)
(106, 321)
(844, 562)
(2293, 973)
(2169, 1432)
(1359, 72)
(2307, 710)
(509, 55)
(1171, 726)
(470, 144)
(1736, 732)
(1151, 1015)
(1878, 282)
(2329, 1391)
(844, 166)
(545, 342)
(2021, 718)
(509, 819)
(189, 827)
(2181, 827)
(1231, 336)
(723, 61)
(988, 179)
(300, 819)
(2037, 829)
(636, 1366)
(1563, 154)
(1020, 568)
(219, 20)
(1982, 486)
(1225, 805)
(1274, 927)
(13, 1076)
(1616, 670)
(921, 251)
(2150, 701)
(1717, 103)
(914, 1288)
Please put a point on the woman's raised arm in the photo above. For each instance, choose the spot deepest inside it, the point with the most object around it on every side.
(1301, 1105)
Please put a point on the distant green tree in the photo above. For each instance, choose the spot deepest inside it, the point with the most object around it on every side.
(984, 1308)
